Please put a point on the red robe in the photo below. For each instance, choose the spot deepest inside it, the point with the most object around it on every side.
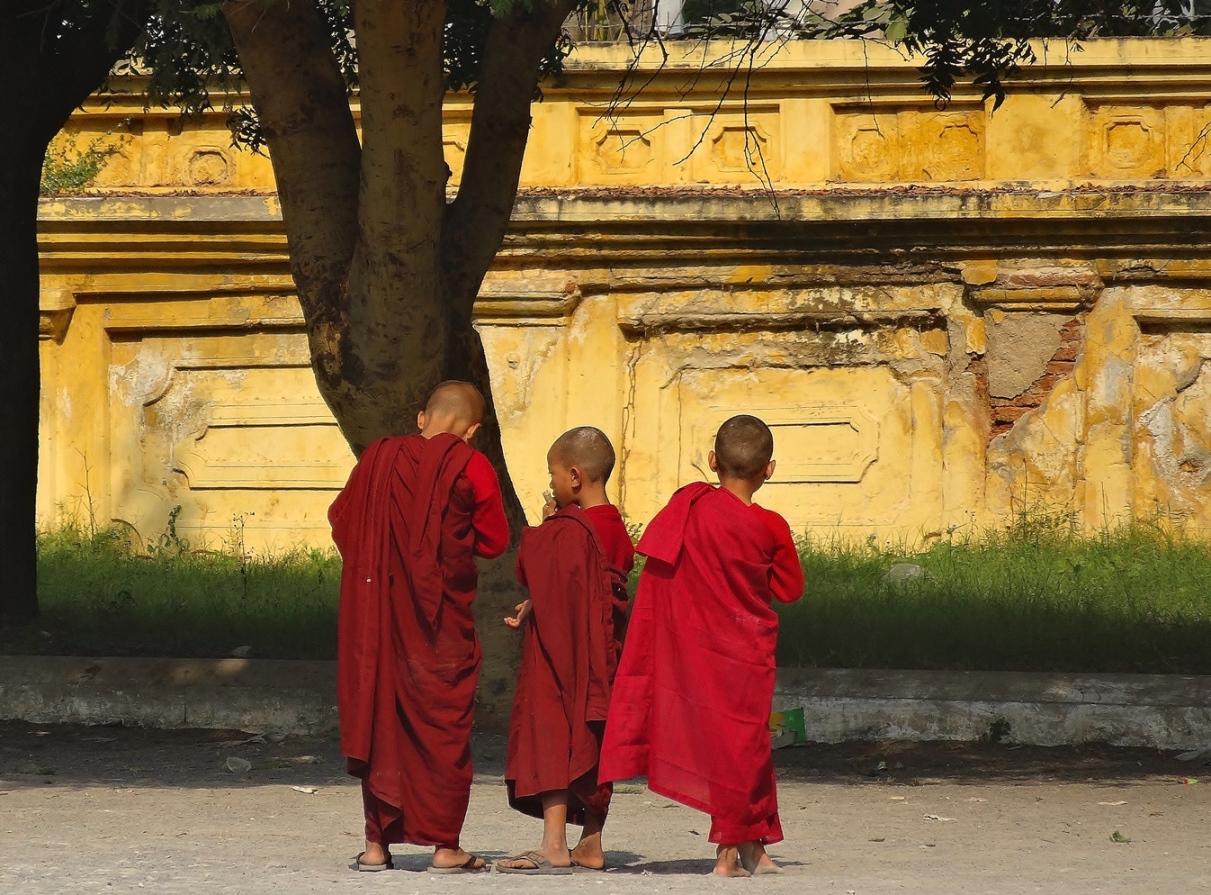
(409, 523)
(692, 698)
(619, 552)
(563, 681)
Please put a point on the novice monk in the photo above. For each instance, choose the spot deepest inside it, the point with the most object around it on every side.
(575, 565)
(416, 512)
(692, 700)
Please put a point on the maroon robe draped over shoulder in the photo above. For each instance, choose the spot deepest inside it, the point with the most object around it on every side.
(408, 526)
(563, 682)
(692, 697)
(619, 552)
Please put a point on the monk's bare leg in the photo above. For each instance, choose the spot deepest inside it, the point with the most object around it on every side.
(754, 859)
(727, 862)
(382, 820)
(588, 851)
(554, 834)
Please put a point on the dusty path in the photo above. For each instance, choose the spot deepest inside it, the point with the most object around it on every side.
(105, 810)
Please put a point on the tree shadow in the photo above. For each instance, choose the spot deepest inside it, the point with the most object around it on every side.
(35, 756)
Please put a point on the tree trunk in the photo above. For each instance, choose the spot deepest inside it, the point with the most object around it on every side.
(387, 272)
(20, 174)
(50, 70)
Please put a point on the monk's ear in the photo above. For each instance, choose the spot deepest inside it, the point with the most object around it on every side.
(472, 432)
(576, 476)
(712, 461)
(769, 469)
(420, 421)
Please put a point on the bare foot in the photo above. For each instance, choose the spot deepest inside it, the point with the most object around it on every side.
(588, 853)
(727, 862)
(375, 853)
(445, 858)
(557, 857)
(755, 860)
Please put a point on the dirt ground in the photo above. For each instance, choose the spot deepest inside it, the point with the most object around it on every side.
(103, 810)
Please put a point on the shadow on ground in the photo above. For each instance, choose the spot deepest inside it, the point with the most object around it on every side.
(57, 755)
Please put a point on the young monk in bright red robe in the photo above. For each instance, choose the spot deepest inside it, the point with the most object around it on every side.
(575, 565)
(692, 699)
(416, 512)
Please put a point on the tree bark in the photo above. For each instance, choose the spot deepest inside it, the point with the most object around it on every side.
(300, 97)
(50, 72)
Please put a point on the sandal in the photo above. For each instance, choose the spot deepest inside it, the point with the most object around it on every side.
(542, 866)
(362, 867)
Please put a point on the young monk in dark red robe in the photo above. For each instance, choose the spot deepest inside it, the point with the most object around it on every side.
(575, 565)
(416, 512)
(692, 699)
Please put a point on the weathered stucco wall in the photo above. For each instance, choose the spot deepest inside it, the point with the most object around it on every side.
(947, 316)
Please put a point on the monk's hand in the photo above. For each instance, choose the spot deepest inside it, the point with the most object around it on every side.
(523, 612)
(550, 508)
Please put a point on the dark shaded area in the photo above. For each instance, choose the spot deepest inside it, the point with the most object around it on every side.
(919, 764)
(34, 755)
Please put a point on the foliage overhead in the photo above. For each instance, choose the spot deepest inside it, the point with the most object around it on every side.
(189, 61)
(990, 41)
(987, 42)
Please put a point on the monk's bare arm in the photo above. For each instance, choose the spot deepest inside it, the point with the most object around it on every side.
(488, 519)
(786, 574)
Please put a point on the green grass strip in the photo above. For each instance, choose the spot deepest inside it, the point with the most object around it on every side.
(1035, 598)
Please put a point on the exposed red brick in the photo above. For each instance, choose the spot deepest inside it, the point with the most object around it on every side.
(1007, 411)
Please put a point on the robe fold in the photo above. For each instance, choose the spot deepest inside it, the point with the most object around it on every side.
(619, 552)
(563, 681)
(691, 701)
(408, 525)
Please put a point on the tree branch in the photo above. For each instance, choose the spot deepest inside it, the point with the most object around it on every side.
(500, 126)
(300, 96)
(65, 63)
(402, 86)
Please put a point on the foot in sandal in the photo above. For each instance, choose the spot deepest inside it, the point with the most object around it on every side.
(373, 859)
(533, 863)
(455, 860)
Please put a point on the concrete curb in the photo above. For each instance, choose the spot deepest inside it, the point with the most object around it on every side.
(240, 694)
(1150, 710)
(299, 697)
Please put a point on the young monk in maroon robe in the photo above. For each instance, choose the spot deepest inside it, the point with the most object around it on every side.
(575, 565)
(691, 703)
(416, 512)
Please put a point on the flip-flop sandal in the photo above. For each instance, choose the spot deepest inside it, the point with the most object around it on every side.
(542, 867)
(473, 864)
(362, 867)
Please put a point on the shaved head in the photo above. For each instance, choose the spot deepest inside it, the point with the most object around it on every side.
(743, 447)
(588, 450)
(458, 401)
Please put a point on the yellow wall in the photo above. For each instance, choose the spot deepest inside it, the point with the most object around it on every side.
(947, 316)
